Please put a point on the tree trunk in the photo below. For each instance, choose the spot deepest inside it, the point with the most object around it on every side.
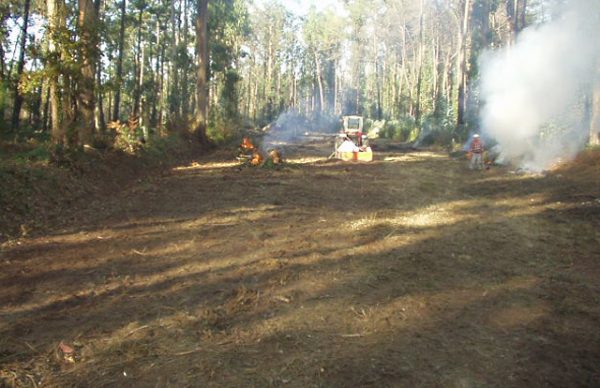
(119, 75)
(18, 100)
(45, 104)
(88, 27)
(174, 101)
(99, 113)
(462, 65)
(594, 137)
(2, 65)
(138, 67)
(378, 93)
(156, 91)
(55, 9)
(185, 106)
(142, 100)
(201, 120)
(419, 68)
(517, 12)
(523, 15)
(100, 117)
(335, 88)
(161, 106)
(320, 82)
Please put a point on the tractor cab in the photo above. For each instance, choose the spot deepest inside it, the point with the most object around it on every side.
(352, 143)
(353, 128)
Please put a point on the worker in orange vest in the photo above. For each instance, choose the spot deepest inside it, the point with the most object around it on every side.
(476, 149)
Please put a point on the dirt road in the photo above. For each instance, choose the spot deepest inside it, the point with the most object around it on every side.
(407, 271)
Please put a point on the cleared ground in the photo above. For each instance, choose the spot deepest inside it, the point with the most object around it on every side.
(407, 271)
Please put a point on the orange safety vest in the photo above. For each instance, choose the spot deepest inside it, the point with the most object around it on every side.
(476, 146)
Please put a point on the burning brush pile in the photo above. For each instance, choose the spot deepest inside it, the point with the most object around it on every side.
(251, 155)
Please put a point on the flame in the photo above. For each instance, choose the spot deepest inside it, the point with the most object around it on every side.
(256, 158)
(247, 144)
(275, 156)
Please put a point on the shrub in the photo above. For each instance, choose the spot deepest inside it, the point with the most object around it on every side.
(402, 129)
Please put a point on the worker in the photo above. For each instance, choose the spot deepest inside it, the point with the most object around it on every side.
(476, 149)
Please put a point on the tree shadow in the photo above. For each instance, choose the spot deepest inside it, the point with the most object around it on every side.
(329, 313)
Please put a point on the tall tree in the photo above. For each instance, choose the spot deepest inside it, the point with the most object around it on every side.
(594, 135)
(324, 33)
(139, 61)
(18, 99)
(119, 71)
(201, 120)
(88, 48)
(56, 26)
(174, 97)
(462, 61)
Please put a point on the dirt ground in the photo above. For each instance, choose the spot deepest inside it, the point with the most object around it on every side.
(410, 270)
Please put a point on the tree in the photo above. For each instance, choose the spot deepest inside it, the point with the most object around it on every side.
(56, 26)
(119, 71)
(18, 99)
(594, 135)
(462, 62)
(88, 49)
(324, 33)
(201, 119)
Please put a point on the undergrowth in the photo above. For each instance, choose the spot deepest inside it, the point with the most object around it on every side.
(39, 181)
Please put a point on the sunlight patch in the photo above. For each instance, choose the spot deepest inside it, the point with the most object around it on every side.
(305, 160)
(415, 157)
(518, 315)
(431, 216)
(206, 166)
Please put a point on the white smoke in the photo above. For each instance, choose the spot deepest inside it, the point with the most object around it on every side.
(287, 129)
(292, 128)
(532, 91)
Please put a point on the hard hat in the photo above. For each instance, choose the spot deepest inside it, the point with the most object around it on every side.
(475, 135)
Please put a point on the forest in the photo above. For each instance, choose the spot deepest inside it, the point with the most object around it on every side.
(176, 208)
(73, 71)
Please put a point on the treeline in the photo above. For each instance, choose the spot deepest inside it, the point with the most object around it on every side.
(88, 71)
(76, 71)
(412, 63)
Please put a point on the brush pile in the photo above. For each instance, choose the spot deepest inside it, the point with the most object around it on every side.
(251, 155)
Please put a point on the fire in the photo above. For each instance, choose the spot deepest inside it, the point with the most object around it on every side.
(249, 153)
(247, 144)
(256, 158)
(275, 156)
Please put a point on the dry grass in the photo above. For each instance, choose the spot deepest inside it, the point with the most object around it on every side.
(410, 270)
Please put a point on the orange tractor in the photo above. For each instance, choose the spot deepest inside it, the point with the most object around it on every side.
(351, 143)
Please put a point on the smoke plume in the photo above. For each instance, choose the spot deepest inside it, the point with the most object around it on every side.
(291, 128)
(532, 92)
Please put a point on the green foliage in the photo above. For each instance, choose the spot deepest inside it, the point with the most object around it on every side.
(402, 129)
(225, 121)
(40, 153)
(128, 139)
(438, 131)
(160, 147)
(26, 134)
(25, 153)
(228, 24)
(4, 98)
(221, 128)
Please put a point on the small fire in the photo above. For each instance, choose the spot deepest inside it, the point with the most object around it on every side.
(256, 158)
(249, 153)
(275, 156)
(247, 144)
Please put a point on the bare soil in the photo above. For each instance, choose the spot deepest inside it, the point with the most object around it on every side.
(410, 270)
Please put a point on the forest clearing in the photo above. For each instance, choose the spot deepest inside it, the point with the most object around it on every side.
(411, 270)
(286, 193)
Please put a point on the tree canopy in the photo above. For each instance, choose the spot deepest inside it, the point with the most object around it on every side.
(72, 71)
